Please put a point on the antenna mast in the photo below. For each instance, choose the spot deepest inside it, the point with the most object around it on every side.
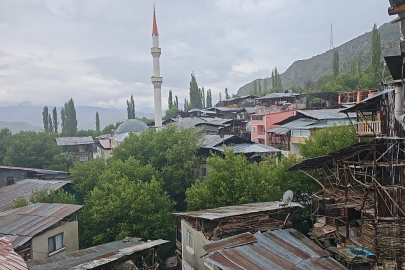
(331, 37)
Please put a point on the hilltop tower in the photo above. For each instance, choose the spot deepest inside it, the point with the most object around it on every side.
(156, 79)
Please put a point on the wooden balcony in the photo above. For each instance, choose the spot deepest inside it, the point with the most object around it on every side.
(370, 128)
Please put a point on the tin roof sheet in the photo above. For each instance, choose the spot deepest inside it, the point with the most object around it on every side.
(237, 210)
(325, 114)
(284, 129)
(279, 249)
(33, 170)
(105, 143)
(21, 224)
(74, 140)
(24, 188)
(245, 148)
(9, 259)
(279, 95)
(96, 256)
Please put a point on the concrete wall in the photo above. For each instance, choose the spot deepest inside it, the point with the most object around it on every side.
(39, 244)
(193, 257)
(17, 174)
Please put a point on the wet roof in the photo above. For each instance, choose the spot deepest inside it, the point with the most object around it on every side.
(24, 188)
(300, 122)
(279, 95)
(210, 141)
(22, 224)
(9, 259)
(325, 114)
(276, 250)
(237, 210)
(74, 140)
(96, 256)
(245, 148)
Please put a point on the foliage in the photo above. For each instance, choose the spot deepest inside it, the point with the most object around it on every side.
(146, 120)
(226, 94)
(52, 196)
(86, 175)
(195, 93)
(131, 108)
(50, 123)
(171, 152)
(186, 105)
(276, 84)
(173, 112)
(335, 63)
(45, 119)
(107, 129)
(170, 100)
(203, 97)
(31, 149)
(68, 118)
(209, 99)
(328, 140)
(121, 207)
(55, 119)
(353, 65)
(176, 102)
(97, 123)
(5, 135)
(375, 51)
(61, 162)
(17, 203)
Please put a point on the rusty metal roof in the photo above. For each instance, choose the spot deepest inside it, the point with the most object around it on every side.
(96, 256)
(237, 210)
(279, 249)
(248, 148)
(105, 143)
(9, 259)
(24, 188)
(22, 224)
(74, 140)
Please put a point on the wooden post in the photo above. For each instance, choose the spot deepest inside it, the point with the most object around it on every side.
(346, 200)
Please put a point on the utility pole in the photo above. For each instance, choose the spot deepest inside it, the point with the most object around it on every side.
(331, 37)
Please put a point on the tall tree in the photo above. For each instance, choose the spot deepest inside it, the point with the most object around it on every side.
(359, 64)
(195, 95)
(170, 100)
(45, 118)
(375, 52)
(226, 94)
(63, 120)
(176, 102)
(186, 105)
(203, 97)
(259, 91)
(209, 98)
(50, 123)
(265, 86)
(335, 63)
(255, 87)
(68, 116)
(353, 64)
(276, 81)
(55, 119)
(97, 122)
(5, 135)
(220, 97)
(131, 108)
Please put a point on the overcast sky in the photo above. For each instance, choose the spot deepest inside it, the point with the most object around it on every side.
(98, 51)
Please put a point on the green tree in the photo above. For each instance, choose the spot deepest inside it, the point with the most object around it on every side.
(97, 123)
(68, 118)
(375, 52)
(55, 119)
(259, 91)
(45, 119)
(353, 64)
(173, 112)
(131, 108)
(171, 151)
(62, 162)
(226, 94)
(121, 207)
(209, 98)
(5, 135)
(276, 81)
(186, 105)
(170, 100)
(265, 87)
(255, 89)
(359, 64)
(195, 93)
(50, 123)
(335, 62)
(17, 203)
(203, 97)
(52, 196)
(328, 140)
(220, 97)
(176, 102)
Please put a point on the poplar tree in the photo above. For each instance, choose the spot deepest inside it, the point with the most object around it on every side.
(50, 128)
(195, 95)
(220, 97)
(335, 63)
(359, 64)
(186, 105)
(170, 100)
(255, 88)
(226, 94)
(203, 97)
(209, 99)
(375, 51)
(131, 108)
(176, 102)
(259, 91)
(45, 118)
(265, 86)
(55, 119)
(353, 67)
(68, 118)
(97, 123)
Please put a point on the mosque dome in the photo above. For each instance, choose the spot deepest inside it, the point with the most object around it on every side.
(132, 125)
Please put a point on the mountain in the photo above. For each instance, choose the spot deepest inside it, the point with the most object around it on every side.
(31, 115)
(16, 127)
(311, 69)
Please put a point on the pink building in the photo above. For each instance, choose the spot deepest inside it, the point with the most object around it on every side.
(261, 122)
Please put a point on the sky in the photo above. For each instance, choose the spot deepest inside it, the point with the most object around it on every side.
(98, 51)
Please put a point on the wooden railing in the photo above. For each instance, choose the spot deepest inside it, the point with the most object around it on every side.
(369, 128)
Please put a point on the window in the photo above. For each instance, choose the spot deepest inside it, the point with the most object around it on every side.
(84, 158)
(55, 242)
(257, 117)
(300, 133)
(254, 129)
(189, 242)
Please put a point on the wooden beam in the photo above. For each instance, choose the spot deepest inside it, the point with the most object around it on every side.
(396, 10)
(399, 19)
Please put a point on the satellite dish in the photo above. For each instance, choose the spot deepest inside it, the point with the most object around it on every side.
(288, 196)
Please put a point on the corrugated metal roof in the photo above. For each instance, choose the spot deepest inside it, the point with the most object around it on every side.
(237, 210)
(24, 188)
(9, 259)
(229, 109)
(106, 144)
(209, 141)
(250, 110)
(245, 148)
(326, 114)
(21, 224)
(96, 256)
(284, 129)
(33, 169)
(279, 95)
(74, 140)
(279, 249)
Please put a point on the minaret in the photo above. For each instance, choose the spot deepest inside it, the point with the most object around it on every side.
(156, 79)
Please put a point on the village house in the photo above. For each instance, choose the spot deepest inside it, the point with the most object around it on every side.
(196, 229)
(9, 174)
(41, 230)
(238, 102)
(128, 253)
(271, 250)
(104, 149)
(79, 147)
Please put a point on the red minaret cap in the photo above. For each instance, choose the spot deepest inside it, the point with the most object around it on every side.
(155, 30)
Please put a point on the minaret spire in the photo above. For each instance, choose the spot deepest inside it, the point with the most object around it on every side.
(156, 79)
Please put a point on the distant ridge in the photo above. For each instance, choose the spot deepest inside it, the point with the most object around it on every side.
(311, 69)
(16, 127)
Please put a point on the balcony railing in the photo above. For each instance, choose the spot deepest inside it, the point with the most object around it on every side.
(368, 128)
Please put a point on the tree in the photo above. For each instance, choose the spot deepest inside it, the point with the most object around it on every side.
(259, 91)
(335, 62)
(170, 100)
(276, 81)
(186, 105)
(97, 123)
(328, 140)
(176, 102)
(226, 94)
(195, 93)
(61, 162)
(375, 52)
(171, 151)
(68, 118)
(55, 119)
(121, 207)
(5, 135)
(203, 97)
(265, 86)
(52, 196)
(353, 64)
(255, 88)
(45, 119)
(359, 64)
(50, 123)
(173, 112)
(209, 98)
(131, 108)
(220, 97)
(63, 120)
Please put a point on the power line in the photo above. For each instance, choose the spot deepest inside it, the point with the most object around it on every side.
(331, 37)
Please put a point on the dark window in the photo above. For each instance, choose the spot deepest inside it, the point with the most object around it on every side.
(204, 171)
(257, 117)
(55, 242)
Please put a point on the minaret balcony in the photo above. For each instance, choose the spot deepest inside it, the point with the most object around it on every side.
(156, 50)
